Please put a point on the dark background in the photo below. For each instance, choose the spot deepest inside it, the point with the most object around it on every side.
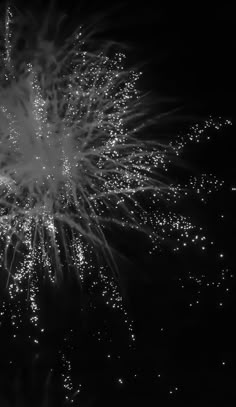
(189, 53)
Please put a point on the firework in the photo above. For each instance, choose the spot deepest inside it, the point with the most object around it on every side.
(72, 158)
(74, 162)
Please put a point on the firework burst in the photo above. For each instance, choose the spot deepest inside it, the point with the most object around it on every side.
(74, 163)
(72, 156)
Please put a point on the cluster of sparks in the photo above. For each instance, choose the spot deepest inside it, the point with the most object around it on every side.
(199, 133)
(73, 162)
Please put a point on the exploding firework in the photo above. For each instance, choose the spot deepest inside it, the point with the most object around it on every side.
(74, 163)
(73, 159)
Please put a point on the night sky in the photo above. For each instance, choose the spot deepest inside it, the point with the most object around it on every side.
(181, 302)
